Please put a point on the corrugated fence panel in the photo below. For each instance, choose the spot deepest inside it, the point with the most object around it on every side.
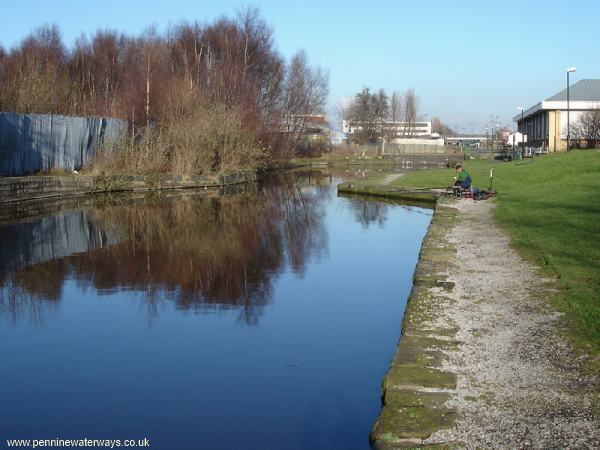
(31, 143)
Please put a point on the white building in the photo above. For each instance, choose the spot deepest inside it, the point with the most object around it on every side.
(515, 139)
(394, 129)
(545, 124)
(337, 137)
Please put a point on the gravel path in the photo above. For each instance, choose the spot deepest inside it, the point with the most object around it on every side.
(519, 383)
(391, 177)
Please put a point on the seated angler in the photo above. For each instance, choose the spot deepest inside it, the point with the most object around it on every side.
(463, 180)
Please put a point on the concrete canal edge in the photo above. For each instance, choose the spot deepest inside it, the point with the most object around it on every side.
(416, 388)
(382, 191)
(17, 189)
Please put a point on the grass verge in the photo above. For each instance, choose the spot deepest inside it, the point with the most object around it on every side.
(550, 208)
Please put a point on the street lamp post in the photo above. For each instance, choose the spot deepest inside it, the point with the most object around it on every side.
(569, 71)
(523, 129)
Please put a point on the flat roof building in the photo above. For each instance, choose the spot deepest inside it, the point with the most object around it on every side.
(545, 124)
(416, 129)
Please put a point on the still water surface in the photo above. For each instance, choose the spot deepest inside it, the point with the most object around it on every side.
(262, 319)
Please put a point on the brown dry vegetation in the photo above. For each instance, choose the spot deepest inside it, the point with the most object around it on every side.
(193, 137)
(200, 97)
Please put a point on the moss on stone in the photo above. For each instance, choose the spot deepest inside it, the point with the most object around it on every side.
(395, 425)
(415, 375)
(443, 257)
(432, 332)
(422, 341)
(408, 397)
(434, 282)
(408, 354)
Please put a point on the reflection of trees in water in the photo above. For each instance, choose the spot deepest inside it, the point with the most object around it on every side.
(201, 253)
(300, 213)
(373, 211)
(368, 212)
(31, 293)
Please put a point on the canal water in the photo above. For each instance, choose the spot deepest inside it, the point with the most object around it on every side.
(258, 319)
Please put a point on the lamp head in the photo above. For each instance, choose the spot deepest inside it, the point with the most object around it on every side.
(520, 108)
(571, 69)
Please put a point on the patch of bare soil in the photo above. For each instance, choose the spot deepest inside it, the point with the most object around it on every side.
(391, 177)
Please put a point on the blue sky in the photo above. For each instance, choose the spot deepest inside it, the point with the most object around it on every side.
(467, 60)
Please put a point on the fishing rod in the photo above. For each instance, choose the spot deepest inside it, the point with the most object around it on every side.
(426, 188)
(491, 188)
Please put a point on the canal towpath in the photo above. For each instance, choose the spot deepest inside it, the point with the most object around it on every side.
(483, 362)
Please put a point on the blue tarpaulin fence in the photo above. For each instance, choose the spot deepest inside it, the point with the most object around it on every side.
(31, 143)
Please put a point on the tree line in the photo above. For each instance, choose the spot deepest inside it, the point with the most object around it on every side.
(226, 74)
(588, 128)
(373, 115)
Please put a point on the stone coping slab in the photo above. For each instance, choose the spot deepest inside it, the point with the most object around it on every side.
(416, 389)
(18, 189)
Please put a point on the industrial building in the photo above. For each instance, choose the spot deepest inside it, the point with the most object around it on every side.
(393, 129)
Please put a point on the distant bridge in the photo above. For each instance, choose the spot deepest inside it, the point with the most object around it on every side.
(466, 138)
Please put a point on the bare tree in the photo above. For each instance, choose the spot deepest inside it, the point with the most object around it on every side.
(589, 128)
(360, 116)
(437, 126)
(381, 106)
(411, 110)
(306, 90)
(297, 90)
(35, 74)
(396, 109)
(367, 113)
(3, 79)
